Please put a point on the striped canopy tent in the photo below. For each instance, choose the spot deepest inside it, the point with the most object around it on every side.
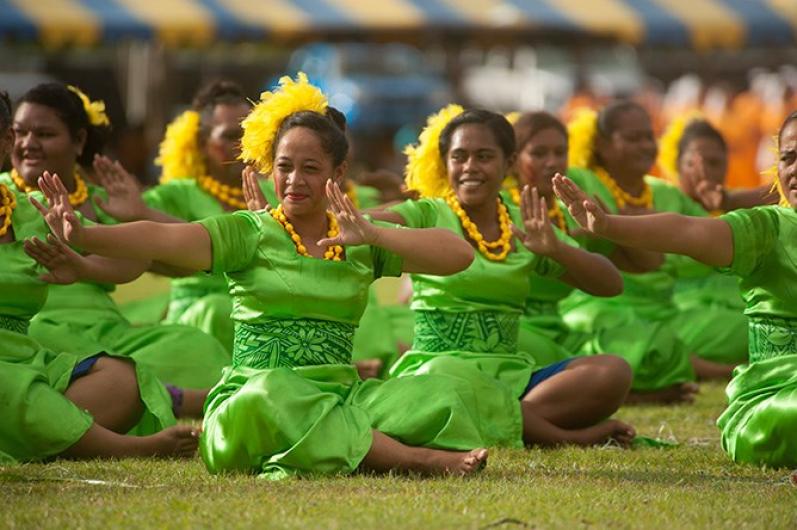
(698, 24)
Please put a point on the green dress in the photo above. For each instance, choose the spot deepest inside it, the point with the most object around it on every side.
(760, 424)
(292, 403)
(201, 300)
(38, 422)
(472, 315)
(82, 318)
(638, 324)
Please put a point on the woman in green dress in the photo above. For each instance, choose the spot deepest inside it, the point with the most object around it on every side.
(57, 129)
(201, 177)
(757, 245)
(711, 320)
(292, 403)
(609, 154)
(472, 317)
(64, 404)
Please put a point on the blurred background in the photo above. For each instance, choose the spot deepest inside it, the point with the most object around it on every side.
(387, 64)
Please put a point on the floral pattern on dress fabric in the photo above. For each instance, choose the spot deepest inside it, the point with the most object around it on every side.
(479, 331)
(17, 325)
(291, 343)
(772, 337)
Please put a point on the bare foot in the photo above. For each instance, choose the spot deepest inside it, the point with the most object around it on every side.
(193, 402)
(616, 430)
(369, 368)
(178, 441)
(677, 393)
(453, 462)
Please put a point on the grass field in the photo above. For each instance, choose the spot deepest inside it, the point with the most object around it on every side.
(691, 486)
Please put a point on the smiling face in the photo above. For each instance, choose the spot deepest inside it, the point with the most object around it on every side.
(714, 164)
(787, 162)
(543, 156)
(223, 143)
(476, 165)
(301, 170)
(42, 143)
(630, 150)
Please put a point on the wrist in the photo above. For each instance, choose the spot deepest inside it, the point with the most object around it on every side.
(374, 236)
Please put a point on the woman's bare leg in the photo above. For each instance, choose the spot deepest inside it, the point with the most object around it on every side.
(387, 454)
(706, 369)
(99, 442)
(677, 393)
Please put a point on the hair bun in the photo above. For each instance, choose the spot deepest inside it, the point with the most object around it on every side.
(337, 117)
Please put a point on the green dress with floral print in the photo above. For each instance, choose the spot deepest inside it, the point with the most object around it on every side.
(38, 421)
(292, 402)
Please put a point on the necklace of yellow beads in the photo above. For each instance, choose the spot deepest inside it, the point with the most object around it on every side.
(76, 198)
(8, 202)
(621, 197)
(555, 213)
(493, 250)
(229, 195)
(333, 253)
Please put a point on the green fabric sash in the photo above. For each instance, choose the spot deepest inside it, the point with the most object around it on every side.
(292, 343)
(17, 325)
(771, 337)
(478, 331)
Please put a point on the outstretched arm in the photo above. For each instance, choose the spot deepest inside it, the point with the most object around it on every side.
(592, 273)
(707, 240)
(427, 250)
(183, 245)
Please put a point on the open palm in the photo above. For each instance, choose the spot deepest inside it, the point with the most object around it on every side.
(584, 209)
(354, 229)
(59, 214)
(538, 235)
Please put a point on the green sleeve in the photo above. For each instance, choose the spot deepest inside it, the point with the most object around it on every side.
(234, 239)
(167, 199)
(386, 263)
(417, 214)
(755, 234)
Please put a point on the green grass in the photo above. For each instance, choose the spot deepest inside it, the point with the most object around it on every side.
(692, 486)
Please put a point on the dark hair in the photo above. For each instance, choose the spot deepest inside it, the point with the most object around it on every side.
(610, 114)
(329, 127)
(221, 92)
(5, 110)
(69, 108)
(699, 129)
(531, 123)
(790, 118)
(500, 127)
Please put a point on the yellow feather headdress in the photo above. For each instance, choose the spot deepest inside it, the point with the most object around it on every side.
(581, 131)
(773, 172)
(425, 171)
(261, 125)
(95, 110)
(179, 152)
(668, 144)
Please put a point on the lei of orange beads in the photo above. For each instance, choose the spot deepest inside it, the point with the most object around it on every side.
(229, 195)
(490, 249)
(621, 197)
(8, 202)
(76, 198)
(332, 253)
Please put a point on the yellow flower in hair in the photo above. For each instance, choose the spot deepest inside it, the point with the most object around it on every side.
(426, 171)
(581, 131)
(772, 172)
(668, 144)
(179, 153)
(512, 117)
(261, 125)
(95, 110)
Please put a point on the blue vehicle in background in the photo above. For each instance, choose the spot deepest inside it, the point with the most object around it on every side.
(379, 87)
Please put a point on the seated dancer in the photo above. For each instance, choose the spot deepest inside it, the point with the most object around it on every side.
(292, 403)
(609, 154)
(472, 317)
(711, 320)
(201, 177)
(58, 129)
(64, 404)
(757, 245)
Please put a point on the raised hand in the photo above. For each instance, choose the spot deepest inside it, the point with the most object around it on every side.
(354, 229)
(253, 195)
(711, 195)
(538, 236)
(62, 263)
(124, 202)
(584, 209)
(59, 215)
